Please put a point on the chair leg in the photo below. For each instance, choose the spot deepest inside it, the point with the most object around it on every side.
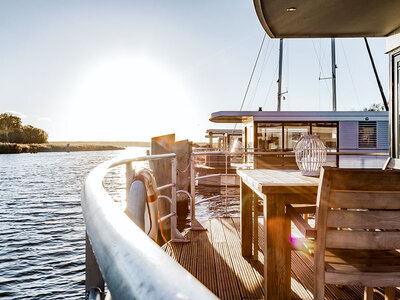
(389, 293)
(368, 293)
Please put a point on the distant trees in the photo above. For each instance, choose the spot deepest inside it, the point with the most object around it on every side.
(12, 131)
(375, 107)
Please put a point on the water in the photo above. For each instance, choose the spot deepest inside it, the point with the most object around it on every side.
(42, 232)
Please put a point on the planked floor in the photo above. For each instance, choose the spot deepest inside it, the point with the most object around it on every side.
(213, 256)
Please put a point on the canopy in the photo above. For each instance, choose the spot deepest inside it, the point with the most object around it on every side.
(328, 18)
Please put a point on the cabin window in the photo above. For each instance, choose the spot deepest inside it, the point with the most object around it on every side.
(293, 132)
(269, 136)
(367, 134)
(327, 132)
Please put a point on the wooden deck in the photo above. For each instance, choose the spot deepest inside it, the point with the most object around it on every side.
(214, 257)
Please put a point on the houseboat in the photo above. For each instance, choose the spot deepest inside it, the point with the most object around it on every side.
(213, 165)
(340, 131)
(216, 258)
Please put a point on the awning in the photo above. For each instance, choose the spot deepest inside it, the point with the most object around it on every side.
(329, 18)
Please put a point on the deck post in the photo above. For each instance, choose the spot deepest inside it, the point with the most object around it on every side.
(94, 279)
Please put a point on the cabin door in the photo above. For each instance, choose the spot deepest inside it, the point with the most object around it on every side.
(395, 108)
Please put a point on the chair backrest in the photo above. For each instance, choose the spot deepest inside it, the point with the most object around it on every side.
(354, 208)
(358, 199)
(392, 163)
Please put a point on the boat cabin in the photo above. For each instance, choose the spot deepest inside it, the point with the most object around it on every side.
(344, 131)
(226, 138)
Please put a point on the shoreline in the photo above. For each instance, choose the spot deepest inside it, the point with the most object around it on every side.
(15, 148)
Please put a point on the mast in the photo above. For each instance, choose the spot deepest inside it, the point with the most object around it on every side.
(333, 54)
(376, 75)
(280, 74)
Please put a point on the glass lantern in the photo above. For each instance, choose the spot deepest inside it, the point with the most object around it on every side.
(310, 155)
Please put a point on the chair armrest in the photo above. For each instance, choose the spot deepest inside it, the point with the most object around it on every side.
(299, 222)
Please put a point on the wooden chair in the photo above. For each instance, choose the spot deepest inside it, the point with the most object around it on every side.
(356, 236)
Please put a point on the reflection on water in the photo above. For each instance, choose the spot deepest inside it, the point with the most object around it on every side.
(42, 253)
(217, 207)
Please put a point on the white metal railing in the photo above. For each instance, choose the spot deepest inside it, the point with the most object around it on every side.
(132, 265)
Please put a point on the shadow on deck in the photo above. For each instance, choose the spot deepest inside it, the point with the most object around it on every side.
(214, 257)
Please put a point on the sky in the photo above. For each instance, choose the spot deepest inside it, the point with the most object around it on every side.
(94, 70)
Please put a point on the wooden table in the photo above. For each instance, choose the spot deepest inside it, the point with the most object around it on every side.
(276, 188)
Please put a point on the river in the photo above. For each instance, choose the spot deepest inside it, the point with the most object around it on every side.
(42, 232)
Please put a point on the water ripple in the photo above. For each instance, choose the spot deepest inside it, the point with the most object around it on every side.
(42, 253)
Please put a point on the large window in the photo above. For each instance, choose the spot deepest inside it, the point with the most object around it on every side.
(367, 134)
(269, 136)
(293, 132)
(327, 132)
(277, 136)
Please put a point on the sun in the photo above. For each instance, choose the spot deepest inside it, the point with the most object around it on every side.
(119, 95)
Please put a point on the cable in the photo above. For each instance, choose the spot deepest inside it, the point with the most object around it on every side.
(320, 65)
(265, 60)
(351, 76)
(270, 85)
(252, 73)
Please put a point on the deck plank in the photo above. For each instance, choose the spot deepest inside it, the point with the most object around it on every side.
(227, 283)
(214, 257)
(206, 271)
(298, 290)
(249, 285)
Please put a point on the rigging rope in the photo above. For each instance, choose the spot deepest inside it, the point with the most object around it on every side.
(351, 76)
(265, 61)
(252, 73)
(320, 65)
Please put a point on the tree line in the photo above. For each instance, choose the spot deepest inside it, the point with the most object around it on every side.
(12, 131)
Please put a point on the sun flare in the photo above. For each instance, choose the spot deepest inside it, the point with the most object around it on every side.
(119, 93)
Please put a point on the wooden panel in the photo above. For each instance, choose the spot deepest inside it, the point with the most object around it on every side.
(364, 219)
(362, 239)
(363, 279)
(364, 179)
(365, 199)
(305, 229)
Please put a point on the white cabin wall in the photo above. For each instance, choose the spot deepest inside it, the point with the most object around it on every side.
(348, 135)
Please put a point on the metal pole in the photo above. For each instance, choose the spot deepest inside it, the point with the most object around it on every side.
(226, 185)
(192, 189)
(173, 197)
(376, 75)
(280, 74)
(333, 54)
(130, 174)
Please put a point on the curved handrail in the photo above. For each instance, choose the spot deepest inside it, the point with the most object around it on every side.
(133, 266)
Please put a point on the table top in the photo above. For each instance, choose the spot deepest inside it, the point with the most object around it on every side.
(278, 181)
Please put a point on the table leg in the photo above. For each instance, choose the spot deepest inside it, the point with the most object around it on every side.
(255, 227)
(246, 219)
(277, 261)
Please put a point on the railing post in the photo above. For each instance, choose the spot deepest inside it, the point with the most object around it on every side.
(176, 236)
(129, 174)
(226, 184)
(94, 279)
(194, 224)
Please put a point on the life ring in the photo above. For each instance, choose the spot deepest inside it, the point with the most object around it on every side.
(142, 203)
